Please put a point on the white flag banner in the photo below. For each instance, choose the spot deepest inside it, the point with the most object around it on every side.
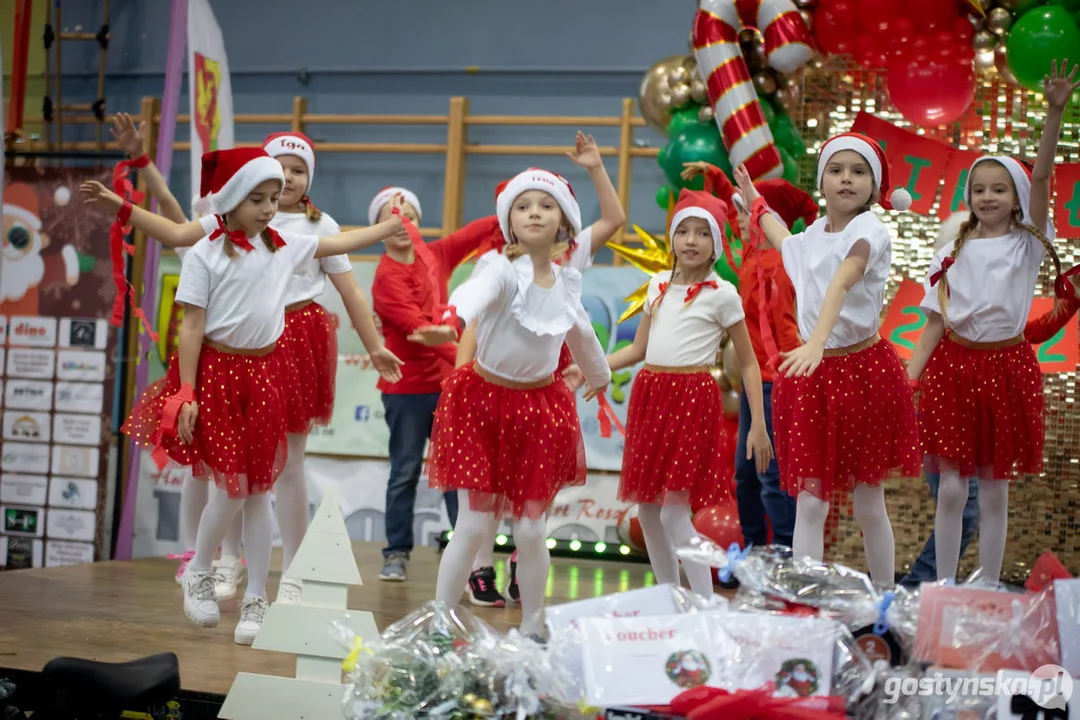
(209, 88)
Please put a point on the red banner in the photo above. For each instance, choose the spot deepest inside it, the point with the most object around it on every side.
(1067, 200)
(956, 175)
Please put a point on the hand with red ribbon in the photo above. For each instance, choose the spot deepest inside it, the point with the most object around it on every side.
(178, 417)
(97, 194)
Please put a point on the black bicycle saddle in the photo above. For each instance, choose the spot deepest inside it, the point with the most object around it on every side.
(153, 680)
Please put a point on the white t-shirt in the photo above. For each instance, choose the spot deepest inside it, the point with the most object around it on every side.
(811, 259)
(991, 286)
(244, 296)
(308, 281)
(580, 258)
(686, 335)
(521, 327)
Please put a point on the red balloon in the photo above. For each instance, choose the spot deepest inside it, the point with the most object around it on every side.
(720, 524)
(931, 93)
(962, 28)
(903, 29)
(876, 16)
(931, 14)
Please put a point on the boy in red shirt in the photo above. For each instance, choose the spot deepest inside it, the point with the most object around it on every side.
(410, 291)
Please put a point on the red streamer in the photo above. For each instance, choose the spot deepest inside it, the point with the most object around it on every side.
(607, 417)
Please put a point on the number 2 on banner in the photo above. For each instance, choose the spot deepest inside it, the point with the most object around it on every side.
(900, 335)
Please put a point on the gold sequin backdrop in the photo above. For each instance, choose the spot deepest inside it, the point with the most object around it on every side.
(1003, 119)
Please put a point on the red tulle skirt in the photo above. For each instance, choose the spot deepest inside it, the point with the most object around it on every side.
(675, 439)
(982, 410)
(512, 447)
(310, 339)
(851, 422)
(240, 427)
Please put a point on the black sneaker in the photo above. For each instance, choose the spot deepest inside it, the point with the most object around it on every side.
(512, 586)
(482, 589)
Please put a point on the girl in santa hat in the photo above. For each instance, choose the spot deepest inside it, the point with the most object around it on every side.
(482, 588)
(981, 399)
(506, 429)
(843, 411)
(674, 427)
(221, 408)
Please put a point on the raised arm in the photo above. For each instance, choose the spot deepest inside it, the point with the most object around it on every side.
(166, 231)
(456, 247)
(774, 230)
(353, 240)
(466, 303)
(1057, 88)
(133, 142)
(612, 216)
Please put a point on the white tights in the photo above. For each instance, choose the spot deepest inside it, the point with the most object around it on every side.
(476, 528)
(811, 513)
(948, 523)
(258, 530)
(667, 527)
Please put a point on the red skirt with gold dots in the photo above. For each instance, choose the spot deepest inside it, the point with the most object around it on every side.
(674, 439)
(512, 446)
(981, 409)
(851, 422)
(310, 339)
(240, 427)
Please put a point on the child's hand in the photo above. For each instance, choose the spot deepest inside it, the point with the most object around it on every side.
(127, 136)
(1058, 88)
(759, 447)
(185, 425)
(387, 363)
(432, 335)
(693, 169)
(803, 360)
(573, 377)
(747, 191)
(585, 153)
(98, 194)
(590, 392)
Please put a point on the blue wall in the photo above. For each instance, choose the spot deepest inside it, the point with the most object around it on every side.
(572, 57)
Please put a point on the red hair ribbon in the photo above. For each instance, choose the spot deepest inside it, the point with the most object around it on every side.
(305, 201)
(767, 300)
(945, 265)
(607, 417)
(238, 236)
(170, 416)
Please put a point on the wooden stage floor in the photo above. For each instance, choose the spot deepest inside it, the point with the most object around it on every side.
(120, 611)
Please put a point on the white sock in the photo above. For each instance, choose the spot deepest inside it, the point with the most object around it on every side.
(878, 542)
(665, 564)
(993, 526)
(948, 522)
(193, 497)
(230, 546)
(258, 541)
(675, 516)
(485, 556)
(293, 513)
(470, 531)
(216, 520)
(811, 512)
(534, 563)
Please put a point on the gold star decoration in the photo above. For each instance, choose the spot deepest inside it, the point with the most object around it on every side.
(653, 257)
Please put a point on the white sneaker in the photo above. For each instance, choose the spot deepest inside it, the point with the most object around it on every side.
(290, 592)
(252, 611)
(200, 602)
(229, 570)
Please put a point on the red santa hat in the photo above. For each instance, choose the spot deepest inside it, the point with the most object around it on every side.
(1021, 177)
(536, 179)
(786, 201)
(708, 207)
(383, 196)
(898, 199)
(21, 202)
(293, 143)
(229, 176)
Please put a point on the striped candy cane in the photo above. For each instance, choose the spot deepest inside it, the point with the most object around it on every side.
(738, 113)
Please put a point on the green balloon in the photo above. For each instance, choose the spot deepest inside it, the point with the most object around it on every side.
(767, 108)
(682, 119)
(696, 143)
(1022, 6)
(1070, 5)
(787, 136)
(1037, 39)
(662, 196)
(791, 167)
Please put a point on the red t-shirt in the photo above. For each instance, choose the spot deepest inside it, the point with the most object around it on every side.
(785, 328)
(404, 300)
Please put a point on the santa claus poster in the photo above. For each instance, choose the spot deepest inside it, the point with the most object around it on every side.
(57, 362)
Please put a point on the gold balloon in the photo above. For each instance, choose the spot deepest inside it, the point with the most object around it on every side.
(984, 60)
(705, 114)
(731, 404)
(680, 96)
(765, 83)
(690, 63)
(977, 22)
(790, 98)
(808, 18)
(748, 36)
(654, 95)
(984, 40)
(678, 76)
(816, 61)
(732, 368)
(698, 91)
(999, 20)
(1001, 62)
(754, 54)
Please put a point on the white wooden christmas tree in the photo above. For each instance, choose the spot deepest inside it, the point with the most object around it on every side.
(326, 565)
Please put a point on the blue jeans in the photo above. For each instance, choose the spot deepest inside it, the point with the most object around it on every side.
(925, 567)
(760, 494)
(410, 418)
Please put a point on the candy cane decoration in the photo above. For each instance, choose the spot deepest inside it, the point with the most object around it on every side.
(738, 113)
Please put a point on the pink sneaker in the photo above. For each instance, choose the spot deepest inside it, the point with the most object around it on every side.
(184, 559)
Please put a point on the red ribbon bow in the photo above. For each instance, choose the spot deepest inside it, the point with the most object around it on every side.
(170, 416)
(239, 237)
(1063, 286)
(607, 417)
(694, 290)
(945, 265)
